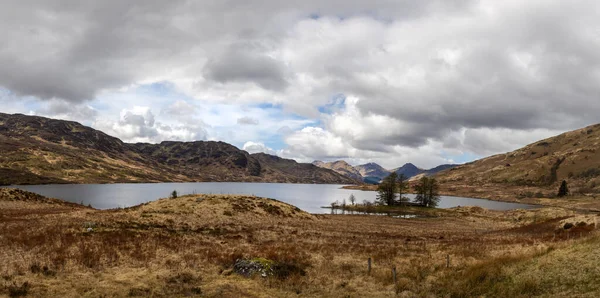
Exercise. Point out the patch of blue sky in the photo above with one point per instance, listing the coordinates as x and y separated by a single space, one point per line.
462 158
18 104
163 88
99 105
336 103
275 142
268 105
156 95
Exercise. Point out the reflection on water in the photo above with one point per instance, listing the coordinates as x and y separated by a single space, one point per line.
342 211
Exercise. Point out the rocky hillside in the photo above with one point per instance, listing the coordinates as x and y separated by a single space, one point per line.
277 169
535 170
438 169
341 167
38 150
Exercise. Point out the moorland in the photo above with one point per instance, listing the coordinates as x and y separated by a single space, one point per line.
244 246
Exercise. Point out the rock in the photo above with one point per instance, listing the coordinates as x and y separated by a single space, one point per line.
267 268
248 268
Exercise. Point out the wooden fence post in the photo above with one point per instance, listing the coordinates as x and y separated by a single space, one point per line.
369 266
448 261
395 280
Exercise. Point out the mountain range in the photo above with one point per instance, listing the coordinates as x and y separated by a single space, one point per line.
373 173
38 150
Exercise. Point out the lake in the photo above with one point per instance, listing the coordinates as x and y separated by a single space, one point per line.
308 197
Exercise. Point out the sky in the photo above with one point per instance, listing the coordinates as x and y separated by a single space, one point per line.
386 81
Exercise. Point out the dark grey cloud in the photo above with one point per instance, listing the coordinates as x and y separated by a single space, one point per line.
64 110
73 49
533 68
240 63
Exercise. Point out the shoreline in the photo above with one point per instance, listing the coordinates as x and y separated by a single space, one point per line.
580 203
157 182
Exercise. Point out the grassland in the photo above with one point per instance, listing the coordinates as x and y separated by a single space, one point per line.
187 246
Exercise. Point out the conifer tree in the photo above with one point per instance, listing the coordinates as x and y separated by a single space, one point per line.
387 190
563 190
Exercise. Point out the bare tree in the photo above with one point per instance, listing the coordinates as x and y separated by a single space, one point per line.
352 199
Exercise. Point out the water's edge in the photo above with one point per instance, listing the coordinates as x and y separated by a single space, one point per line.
308 197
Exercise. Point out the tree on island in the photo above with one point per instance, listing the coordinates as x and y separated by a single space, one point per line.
402 189
427 192
352 199
563 190
386 191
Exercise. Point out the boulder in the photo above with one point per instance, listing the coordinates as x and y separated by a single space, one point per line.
248 268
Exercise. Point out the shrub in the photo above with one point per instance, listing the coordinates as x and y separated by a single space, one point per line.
593 172
18 291
174 194
563 189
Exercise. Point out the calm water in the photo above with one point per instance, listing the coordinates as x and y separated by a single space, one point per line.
308 197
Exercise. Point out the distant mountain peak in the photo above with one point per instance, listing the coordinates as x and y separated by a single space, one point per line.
341 167
409 170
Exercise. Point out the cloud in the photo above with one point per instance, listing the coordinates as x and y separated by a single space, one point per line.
247 121
62 110
486 141
241 63
420 78
180 108
138 125
314 142
73 52
257 147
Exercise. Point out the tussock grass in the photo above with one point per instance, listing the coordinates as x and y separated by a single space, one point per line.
187 247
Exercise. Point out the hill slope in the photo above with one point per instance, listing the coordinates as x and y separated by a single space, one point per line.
341 167
37 150
534 170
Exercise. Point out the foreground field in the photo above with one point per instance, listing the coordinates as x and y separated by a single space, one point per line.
189 246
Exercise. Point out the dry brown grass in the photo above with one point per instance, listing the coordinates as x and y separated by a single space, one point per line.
187 247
